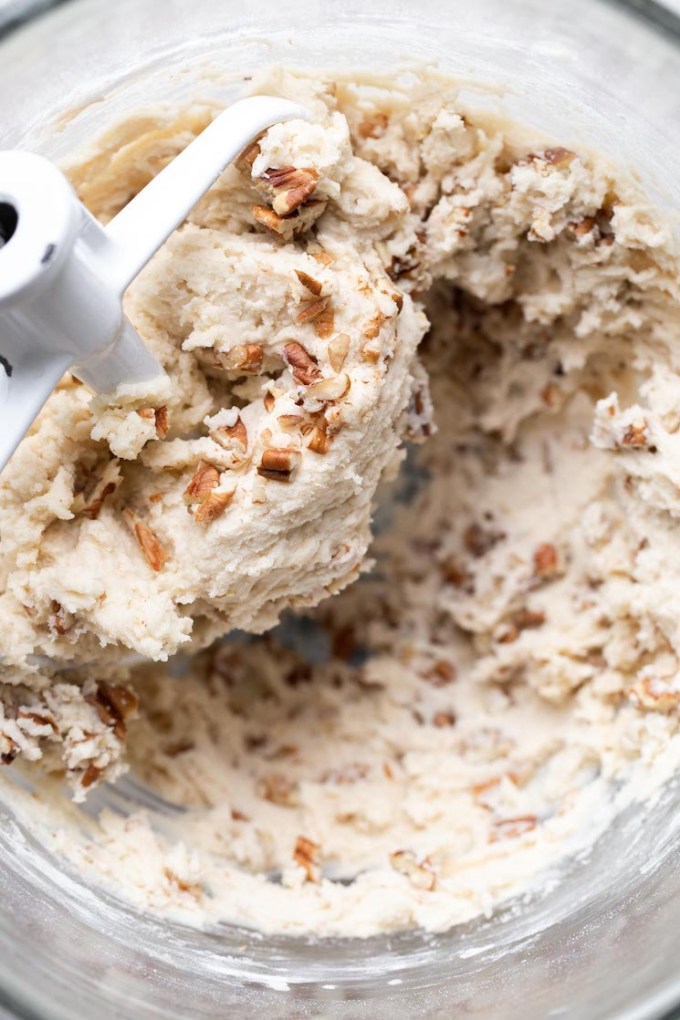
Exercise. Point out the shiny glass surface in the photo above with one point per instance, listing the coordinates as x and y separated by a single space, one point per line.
601 942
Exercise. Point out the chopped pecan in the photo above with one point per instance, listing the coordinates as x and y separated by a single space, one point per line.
403 265
479 540
654 695
279 464
115 705
550 395
318 440
68 381
9 750
242 357
245 159
373 326
373 126
306 854
635 436
455 574
512 828
323 257
290 422
309 283
528 619
59 622
192 888
479 790
39 718
161 416
90 776
558 156
598 228
441 673
312 310
91 503
489 786
580 228
338 349
546 562
121 701
268 219
292 187
285 176
230 435
277 789
205 479
213 506
370 355
324 324
303 366
335 387
442 719
152 548
335 421
269 400
420 874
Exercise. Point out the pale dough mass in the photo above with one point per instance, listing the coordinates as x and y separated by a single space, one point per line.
403 292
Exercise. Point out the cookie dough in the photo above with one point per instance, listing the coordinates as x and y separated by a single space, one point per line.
245 485
503 681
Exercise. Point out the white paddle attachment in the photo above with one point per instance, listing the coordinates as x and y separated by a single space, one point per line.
62 275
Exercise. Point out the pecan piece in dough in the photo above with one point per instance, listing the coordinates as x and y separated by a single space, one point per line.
161 416
231 435
338 349
512 828
292 186
306 854
312 310
420 874
279 464
213 506
244 161
205 479
105 485
304 368
335 387
309 283
268 219
243 357
154 552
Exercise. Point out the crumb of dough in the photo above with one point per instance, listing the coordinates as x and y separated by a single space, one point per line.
504 680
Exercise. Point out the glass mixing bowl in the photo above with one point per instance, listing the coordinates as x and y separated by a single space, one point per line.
601 942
